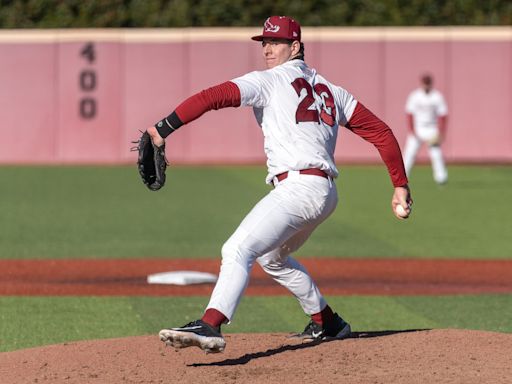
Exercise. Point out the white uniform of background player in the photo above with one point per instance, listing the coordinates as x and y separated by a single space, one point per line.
299 112
427 112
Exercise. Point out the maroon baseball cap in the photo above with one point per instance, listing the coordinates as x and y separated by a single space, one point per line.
280 27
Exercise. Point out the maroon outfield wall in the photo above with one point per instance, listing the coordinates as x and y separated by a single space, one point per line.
79 96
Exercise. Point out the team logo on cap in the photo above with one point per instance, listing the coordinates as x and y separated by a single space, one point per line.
269 27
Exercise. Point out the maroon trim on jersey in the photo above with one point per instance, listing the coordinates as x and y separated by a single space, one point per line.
368 126
220 96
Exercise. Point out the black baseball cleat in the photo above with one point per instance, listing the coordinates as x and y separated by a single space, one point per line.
336 329
197 333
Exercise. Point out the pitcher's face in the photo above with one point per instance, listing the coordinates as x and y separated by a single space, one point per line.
277 52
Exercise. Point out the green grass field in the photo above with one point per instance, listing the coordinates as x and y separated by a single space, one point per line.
32 321
106 212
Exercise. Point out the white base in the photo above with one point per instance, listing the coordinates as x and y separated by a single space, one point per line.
182 278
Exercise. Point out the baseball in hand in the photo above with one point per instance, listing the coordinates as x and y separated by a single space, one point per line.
400 211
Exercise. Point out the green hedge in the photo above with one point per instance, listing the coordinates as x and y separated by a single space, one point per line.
183 13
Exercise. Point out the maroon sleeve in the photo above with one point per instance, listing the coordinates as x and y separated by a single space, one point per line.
368 126
220 96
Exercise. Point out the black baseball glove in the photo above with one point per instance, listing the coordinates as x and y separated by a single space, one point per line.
151 163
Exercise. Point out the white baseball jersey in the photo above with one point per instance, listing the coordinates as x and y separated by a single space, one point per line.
299 112
426 108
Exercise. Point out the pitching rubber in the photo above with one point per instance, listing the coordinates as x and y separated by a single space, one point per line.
180 340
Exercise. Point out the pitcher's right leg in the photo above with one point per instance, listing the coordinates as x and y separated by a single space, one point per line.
292 275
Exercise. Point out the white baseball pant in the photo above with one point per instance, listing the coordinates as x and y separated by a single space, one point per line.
278 225
412 146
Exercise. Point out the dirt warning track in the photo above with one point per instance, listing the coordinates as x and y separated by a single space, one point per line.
334 276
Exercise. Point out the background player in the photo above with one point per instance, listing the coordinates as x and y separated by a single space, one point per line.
426 116
299 112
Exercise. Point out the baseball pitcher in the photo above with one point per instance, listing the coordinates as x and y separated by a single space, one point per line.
299 112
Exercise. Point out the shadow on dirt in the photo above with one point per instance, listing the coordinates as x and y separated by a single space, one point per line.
294 347
369 334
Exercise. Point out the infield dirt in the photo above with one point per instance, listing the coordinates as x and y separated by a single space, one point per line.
429 356
334 277
390 357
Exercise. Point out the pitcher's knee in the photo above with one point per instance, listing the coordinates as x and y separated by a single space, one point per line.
272 262
234 252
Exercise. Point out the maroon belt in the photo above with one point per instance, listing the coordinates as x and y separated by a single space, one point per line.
309 171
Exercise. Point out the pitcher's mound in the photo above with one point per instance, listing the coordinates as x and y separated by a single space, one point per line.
433 356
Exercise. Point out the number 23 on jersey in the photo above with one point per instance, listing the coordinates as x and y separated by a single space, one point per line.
303 113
